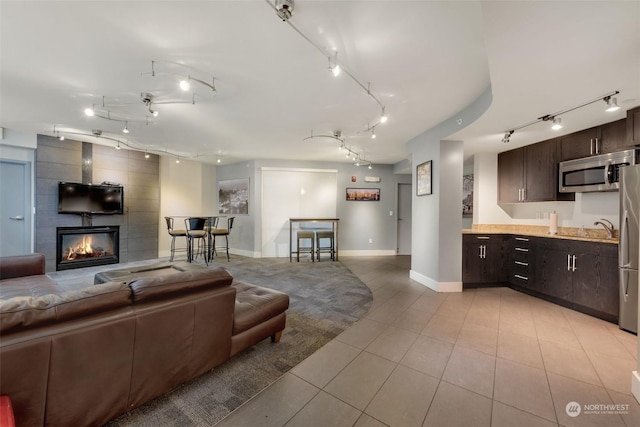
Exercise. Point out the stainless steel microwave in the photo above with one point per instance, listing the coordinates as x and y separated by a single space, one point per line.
595 173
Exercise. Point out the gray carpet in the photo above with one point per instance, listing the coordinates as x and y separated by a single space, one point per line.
325 299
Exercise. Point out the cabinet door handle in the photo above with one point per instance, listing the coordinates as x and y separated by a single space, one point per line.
480 251
568 262
573 267
591 147
519 194
522 239
483 238
522 249
520 277
484 251
524 194
526 264
597 148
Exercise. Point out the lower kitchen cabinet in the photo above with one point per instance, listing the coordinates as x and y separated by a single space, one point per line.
484 259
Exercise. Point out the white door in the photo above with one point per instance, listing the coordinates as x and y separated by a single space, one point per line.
404 219
15 199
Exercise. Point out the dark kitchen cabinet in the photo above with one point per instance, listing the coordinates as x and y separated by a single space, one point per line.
483 259
578 144
607 138
530 174
596 287
521 262
633 127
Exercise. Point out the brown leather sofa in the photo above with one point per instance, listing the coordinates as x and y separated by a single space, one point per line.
84 357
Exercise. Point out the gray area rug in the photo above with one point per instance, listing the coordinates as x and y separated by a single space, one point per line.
325 299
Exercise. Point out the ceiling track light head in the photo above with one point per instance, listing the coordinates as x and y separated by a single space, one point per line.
612 104
284 9
557 123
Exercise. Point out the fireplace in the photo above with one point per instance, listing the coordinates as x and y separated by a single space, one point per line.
87 246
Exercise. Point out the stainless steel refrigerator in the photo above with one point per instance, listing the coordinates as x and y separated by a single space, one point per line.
628 247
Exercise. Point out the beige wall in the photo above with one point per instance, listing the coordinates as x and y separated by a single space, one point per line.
186 189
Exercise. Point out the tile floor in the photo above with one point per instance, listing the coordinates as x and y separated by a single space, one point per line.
487 357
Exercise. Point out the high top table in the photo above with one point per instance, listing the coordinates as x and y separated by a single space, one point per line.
334 227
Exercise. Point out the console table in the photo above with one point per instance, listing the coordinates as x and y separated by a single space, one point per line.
334 227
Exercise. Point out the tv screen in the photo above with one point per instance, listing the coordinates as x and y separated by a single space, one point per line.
77 198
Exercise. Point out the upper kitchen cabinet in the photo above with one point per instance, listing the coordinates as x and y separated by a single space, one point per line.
633 127
530 174
608 138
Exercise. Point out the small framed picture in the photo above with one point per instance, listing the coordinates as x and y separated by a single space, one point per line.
423 179
363 194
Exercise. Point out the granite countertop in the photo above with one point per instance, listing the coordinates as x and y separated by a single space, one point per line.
590 234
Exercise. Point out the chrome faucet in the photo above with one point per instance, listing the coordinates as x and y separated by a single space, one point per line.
608 226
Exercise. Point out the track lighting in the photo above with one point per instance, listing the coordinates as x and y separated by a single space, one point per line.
373 134
89 112
507 137
146 155
61 137
334 67
126 127
219 160
185 85
154 113
612 104
557 123
369 167
118 146
383 117
177 159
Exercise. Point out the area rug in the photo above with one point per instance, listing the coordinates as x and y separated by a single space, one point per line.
325 299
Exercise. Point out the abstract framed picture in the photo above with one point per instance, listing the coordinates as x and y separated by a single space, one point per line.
423 179
467 195
363 194
233 196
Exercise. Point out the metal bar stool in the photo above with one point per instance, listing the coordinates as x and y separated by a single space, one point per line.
219 232
321 236
304 235
174 233
195 231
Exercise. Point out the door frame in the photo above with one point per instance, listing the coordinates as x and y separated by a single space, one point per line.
28 203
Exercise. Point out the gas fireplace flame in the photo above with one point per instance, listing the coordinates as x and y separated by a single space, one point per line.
83 248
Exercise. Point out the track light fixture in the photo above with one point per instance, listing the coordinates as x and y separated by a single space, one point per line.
90 112
126 127
612 104
118 146
334 67
185 85
507 136
383 116
146 154
557 122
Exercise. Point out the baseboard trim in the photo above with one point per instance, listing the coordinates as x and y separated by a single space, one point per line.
432 284
635 385
380 252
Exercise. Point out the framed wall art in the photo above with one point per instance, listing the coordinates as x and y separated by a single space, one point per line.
363 194
233 196
423 179
467 195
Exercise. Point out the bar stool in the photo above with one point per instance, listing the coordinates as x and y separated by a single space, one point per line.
303 235
174 233
330 248
195 231
219 232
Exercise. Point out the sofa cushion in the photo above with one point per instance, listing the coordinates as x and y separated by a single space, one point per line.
21 265
26 311
177 283
28 286
255 304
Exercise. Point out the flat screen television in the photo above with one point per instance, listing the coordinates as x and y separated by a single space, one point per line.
75 198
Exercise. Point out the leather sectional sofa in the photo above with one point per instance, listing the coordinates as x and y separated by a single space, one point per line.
84 357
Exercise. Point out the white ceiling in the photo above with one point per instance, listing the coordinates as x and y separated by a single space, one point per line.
425 61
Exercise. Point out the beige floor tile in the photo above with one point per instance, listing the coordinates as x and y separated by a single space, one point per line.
392 344
631 414
479 338
483 317
274 406
522 326
520 348
362 333
322 366
568 361
404 299
454 406
523 387
361 380
603 342
414 320
472 370
558 332
368 421
325 410
566 390
614 373
428 355
443 328
429 302
508 416
386 313
404 398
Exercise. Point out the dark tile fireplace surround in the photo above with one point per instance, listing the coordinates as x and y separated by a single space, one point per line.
132 236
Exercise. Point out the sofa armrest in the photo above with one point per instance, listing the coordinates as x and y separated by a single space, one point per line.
21 265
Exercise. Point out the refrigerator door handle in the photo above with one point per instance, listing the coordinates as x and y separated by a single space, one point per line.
625 241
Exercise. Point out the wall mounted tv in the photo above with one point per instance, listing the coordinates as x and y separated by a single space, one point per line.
74 198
